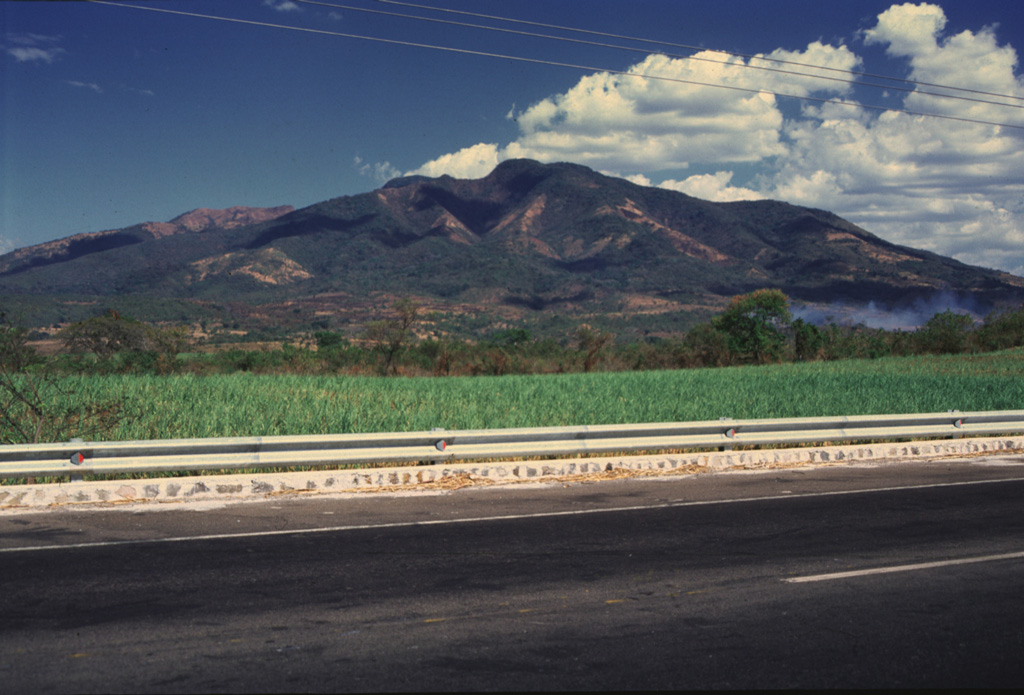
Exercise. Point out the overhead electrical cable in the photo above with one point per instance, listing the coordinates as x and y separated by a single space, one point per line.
690 47
589 68
601 44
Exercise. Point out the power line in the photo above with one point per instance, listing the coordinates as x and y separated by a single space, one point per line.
690 47
705 59
589 68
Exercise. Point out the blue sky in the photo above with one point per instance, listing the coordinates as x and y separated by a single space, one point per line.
115 115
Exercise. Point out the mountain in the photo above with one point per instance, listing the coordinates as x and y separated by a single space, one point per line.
529 243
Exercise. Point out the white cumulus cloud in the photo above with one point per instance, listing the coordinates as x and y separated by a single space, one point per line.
908 29
662 113
947 186
468 163
666 113
716 187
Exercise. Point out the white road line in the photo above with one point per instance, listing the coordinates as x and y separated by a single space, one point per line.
508 517
903 568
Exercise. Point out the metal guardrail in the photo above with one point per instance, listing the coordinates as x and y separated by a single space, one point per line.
81 458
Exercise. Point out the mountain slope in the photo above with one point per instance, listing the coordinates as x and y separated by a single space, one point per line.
80 245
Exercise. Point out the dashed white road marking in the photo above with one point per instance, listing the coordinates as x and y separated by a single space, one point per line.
903 568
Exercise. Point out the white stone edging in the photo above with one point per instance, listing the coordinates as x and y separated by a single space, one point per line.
238 487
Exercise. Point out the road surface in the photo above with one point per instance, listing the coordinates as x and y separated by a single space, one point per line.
891 576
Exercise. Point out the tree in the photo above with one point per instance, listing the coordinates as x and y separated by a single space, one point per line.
106 335
504 352
21 415
706 346
110 334
592 343
391 336
170 341
326 340
807 341
440 354
754 324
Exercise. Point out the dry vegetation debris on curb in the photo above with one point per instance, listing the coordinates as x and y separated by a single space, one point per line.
978 454
463 480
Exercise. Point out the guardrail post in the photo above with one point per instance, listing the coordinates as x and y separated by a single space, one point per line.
76 459
729 433
958 423
442 437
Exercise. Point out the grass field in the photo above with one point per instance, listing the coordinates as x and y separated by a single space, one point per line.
185 406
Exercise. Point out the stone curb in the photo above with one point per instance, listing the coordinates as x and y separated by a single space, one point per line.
235 487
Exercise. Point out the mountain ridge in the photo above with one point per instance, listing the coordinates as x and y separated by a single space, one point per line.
193 221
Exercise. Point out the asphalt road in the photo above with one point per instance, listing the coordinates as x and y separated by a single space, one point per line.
719 581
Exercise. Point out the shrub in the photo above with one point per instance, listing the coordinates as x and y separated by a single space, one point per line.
946 333
1003 329
36 407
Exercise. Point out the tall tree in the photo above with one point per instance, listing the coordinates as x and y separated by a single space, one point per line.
755 325
391 336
